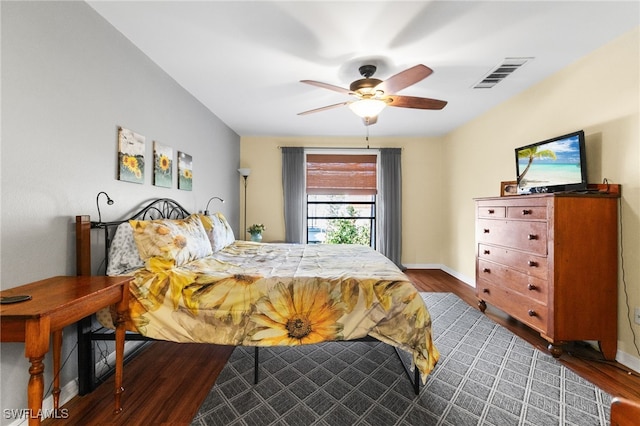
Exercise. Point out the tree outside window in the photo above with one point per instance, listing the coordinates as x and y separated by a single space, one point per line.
347 230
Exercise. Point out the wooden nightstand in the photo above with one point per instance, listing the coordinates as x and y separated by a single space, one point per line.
56 303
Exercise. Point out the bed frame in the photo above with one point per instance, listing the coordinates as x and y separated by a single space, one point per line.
162 208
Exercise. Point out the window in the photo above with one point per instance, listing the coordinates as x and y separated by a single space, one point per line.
341 198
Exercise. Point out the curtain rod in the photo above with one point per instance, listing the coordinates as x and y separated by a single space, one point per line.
339 147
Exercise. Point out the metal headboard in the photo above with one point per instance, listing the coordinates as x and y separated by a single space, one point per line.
161 208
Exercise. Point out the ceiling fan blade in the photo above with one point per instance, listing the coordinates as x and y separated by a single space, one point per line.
405 78
368 121
311 111
414 102
327 86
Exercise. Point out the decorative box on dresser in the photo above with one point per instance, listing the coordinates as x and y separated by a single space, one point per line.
551 262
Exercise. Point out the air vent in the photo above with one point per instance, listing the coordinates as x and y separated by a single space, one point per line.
501 72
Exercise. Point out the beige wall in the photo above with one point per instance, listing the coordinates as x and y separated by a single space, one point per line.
600 94
422 188
442 176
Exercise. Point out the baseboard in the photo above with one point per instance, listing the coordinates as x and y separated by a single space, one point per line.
468 281
422 265
628 360
71 389
104 365
67 393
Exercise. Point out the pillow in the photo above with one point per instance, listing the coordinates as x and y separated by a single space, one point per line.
207 224
180 240
123 252
220 234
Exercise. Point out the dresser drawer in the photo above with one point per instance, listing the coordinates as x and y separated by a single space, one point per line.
527 263
545 260
513 280
524 309
492 211
518 234
527 212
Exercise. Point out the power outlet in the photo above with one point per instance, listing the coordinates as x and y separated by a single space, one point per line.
636 315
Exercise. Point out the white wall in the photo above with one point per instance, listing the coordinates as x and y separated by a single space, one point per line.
69 80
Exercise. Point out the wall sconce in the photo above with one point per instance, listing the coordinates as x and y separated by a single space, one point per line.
206 210
109 202
245 174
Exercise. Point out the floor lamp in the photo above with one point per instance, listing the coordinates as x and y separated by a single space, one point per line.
245 174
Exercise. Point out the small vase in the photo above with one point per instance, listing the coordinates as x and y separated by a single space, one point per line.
256 237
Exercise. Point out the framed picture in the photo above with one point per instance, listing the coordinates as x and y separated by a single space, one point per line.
508 188
130 156
185 171
162 165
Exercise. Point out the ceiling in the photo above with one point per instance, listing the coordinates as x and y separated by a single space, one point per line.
244 59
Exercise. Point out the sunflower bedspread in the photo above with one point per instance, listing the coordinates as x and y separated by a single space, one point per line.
257 294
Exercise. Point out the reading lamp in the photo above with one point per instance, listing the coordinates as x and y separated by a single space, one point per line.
206 210
245 174
109 202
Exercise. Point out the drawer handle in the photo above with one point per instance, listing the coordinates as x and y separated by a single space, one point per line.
532 263
532 237
491 211
526 212
532 287
487 251
485 290
532 313
485 230
486 270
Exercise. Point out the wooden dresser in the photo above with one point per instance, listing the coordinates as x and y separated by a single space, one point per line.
551 262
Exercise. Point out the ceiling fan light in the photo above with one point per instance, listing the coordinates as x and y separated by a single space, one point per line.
367 107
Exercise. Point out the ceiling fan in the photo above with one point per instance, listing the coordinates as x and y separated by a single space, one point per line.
373 95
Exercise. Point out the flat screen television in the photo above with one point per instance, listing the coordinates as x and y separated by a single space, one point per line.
552 165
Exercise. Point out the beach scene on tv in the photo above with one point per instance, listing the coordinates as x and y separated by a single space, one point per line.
549 164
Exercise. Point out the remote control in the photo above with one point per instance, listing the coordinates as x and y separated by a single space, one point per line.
14 299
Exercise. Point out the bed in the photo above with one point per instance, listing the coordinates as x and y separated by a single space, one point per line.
193 282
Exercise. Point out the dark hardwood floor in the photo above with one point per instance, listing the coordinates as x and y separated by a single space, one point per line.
167 382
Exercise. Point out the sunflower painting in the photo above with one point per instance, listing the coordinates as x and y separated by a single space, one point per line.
185 171
130 156
162 165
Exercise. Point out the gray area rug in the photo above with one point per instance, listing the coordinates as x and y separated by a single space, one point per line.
486 376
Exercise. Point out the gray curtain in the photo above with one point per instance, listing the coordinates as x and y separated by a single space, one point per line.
294 193
390 205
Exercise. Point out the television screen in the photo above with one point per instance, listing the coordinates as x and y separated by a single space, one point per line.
552 165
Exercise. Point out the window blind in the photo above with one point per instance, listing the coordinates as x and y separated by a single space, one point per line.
329 174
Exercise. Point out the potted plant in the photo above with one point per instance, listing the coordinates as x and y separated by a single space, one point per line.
256 231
